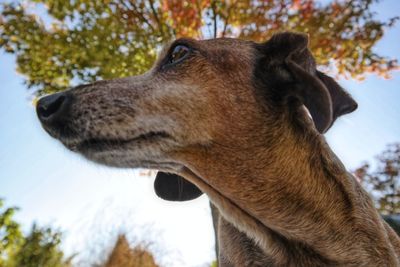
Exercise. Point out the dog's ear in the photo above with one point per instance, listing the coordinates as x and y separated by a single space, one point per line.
342 102
172 187
290 70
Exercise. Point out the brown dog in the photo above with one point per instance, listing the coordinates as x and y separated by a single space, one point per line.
229 116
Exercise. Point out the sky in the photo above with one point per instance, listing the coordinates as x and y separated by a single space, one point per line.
91 203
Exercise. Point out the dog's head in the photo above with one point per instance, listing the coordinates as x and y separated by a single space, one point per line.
197 95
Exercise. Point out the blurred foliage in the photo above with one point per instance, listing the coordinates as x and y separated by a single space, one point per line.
122 255
383 182
83 41
40 248
10 232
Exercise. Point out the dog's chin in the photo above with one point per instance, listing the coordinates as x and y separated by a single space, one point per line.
105 144
142 151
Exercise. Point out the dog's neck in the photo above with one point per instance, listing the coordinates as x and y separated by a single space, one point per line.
299 191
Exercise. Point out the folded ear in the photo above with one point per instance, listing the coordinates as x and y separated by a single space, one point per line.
291 70
314 95
342 102
172 187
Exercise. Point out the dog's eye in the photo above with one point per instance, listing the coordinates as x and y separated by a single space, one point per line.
178 54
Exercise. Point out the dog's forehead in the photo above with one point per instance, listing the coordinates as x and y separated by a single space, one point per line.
228 43
232 45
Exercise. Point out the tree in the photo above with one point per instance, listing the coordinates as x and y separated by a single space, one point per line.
83 41
10 233
40 248
383 182
122 255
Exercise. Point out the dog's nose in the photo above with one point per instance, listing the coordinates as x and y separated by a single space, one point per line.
53 107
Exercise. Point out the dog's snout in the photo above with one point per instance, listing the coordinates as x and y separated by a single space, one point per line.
53 107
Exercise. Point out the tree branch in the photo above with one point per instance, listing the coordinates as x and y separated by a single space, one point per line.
133 9
154 11
229 11
213 8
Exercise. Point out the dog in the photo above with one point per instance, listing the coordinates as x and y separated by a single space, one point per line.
243 123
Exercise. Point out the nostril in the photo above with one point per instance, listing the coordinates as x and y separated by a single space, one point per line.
46 111
52 106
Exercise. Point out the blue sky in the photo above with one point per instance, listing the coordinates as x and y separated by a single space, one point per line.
89 202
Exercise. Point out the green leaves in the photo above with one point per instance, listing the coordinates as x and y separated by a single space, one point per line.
97 47
10 233
39 248
83 41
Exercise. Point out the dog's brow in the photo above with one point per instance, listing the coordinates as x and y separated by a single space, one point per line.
185 41
167 48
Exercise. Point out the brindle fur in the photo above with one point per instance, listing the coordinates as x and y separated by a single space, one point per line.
230 119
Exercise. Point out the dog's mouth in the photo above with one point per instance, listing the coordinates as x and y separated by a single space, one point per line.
104 144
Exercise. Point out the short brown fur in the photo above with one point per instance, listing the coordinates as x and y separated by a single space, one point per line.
283 196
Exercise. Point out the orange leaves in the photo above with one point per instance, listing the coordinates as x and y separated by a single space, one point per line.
115 38
185 16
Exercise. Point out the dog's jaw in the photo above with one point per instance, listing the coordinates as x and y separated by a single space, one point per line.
145 151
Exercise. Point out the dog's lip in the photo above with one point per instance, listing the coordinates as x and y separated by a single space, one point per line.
106 144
